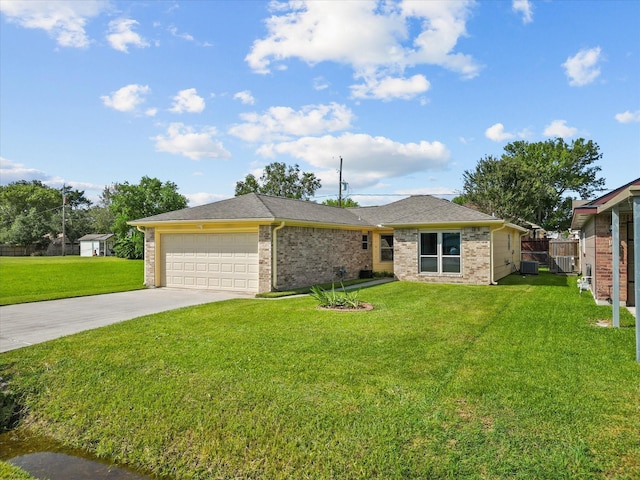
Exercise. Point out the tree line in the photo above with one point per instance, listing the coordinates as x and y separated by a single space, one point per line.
533 182
31 213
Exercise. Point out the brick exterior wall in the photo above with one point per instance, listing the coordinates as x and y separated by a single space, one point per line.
264 258
603 270
476 255
475 250
308 256
150 257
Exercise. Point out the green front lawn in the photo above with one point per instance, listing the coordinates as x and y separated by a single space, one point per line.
31 279
438 381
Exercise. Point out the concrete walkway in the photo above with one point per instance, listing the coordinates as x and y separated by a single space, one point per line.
30 323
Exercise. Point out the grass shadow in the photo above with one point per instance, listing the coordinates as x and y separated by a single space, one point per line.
544 278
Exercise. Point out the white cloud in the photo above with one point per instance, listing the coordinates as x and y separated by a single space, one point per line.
525 8
202 198
375 38
497 134
121 35
582 69
184 140
127 98
280 123
320 83
628 117
368 160
245 97
184 36
187 101
389 88
559 129
12 172
63 20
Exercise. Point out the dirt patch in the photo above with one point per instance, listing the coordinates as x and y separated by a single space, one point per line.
364 307
603 322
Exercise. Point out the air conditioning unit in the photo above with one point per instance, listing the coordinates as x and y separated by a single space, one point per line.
563 264
528 267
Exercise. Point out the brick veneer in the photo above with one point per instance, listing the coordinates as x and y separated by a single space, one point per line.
475 247
308 256
603 274
264 258
150 257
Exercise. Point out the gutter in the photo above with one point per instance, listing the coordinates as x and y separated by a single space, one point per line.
274 255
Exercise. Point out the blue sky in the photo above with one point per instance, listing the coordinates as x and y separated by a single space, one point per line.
409 94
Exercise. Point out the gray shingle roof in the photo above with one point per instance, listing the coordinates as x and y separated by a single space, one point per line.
414 210
420 210
95 236
259 207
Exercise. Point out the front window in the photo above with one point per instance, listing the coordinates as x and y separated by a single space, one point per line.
440 252
386 248
365 241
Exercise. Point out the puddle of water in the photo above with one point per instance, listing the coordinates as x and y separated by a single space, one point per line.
60 466
44 458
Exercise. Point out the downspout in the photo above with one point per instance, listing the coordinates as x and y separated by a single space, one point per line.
491 269
274 255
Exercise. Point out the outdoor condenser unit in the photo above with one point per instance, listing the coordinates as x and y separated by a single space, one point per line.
564 264
528 267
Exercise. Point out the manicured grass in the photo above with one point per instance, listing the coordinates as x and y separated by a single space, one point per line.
31 279
9 472
438 381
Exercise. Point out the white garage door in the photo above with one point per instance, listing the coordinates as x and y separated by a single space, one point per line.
217 261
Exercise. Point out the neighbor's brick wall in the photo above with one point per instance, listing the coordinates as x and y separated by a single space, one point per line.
308 256
150 257
603 274
475 257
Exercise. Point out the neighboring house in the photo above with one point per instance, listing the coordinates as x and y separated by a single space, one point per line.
96 244
604 224
258 243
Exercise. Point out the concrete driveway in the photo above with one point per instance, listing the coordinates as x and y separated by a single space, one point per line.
29 323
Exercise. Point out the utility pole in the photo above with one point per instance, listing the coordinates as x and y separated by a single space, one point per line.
64 202
340 186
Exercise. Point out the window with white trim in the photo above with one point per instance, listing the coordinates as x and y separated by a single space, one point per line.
440 252
386 248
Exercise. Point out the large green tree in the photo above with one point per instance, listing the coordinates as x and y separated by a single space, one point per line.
346 202
129 202
29 210
280 180
535 181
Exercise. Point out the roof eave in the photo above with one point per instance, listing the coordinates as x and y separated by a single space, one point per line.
582 214
250 221
160 223
461 223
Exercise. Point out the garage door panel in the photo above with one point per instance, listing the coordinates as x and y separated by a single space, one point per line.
210 261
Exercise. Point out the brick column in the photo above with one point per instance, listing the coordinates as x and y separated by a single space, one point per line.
150 257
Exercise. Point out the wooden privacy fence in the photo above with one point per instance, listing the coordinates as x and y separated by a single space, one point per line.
536 250
563 256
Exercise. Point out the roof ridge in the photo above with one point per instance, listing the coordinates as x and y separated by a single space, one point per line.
259 197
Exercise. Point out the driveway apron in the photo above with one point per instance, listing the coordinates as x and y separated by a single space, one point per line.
30 323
